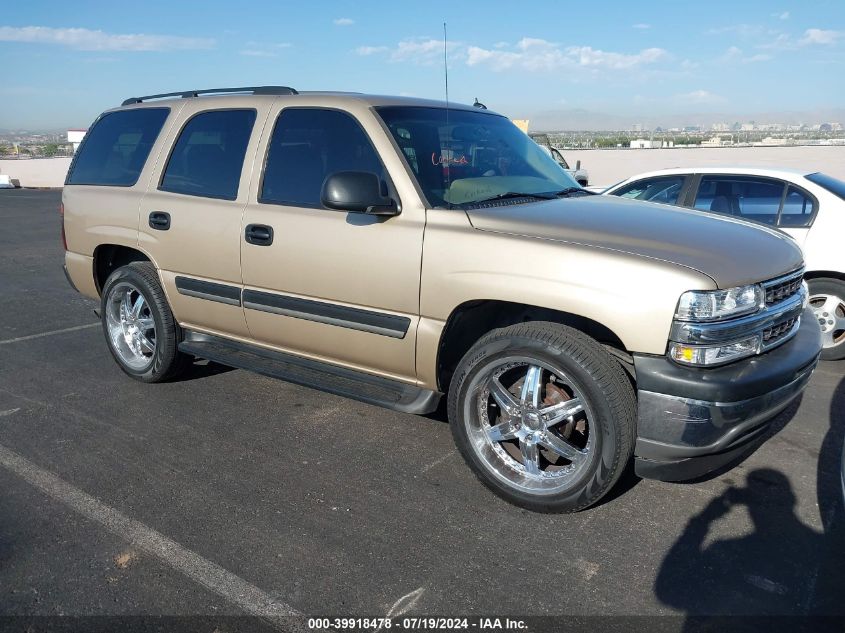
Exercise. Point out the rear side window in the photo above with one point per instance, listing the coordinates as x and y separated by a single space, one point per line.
749 198
665 189
797 209
208 157
116 148
309 144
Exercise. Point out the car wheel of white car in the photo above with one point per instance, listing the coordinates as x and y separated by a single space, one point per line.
827 298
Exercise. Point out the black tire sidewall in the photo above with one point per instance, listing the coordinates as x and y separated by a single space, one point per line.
605 466
834 287
166 334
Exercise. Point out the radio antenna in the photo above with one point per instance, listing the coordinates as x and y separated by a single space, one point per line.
446 68
448 152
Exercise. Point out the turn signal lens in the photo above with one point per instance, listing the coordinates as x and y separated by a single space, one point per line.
709 355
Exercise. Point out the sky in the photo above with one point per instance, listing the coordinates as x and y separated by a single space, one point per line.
65 62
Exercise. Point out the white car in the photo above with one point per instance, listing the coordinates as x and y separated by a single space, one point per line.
810 207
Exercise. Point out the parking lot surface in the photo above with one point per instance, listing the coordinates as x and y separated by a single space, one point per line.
228 492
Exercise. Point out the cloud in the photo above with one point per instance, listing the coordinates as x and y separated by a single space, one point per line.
343 21
641 26
821 36
534 54
421 51
263 49
91 40
371 50
698 97
781 16
735 55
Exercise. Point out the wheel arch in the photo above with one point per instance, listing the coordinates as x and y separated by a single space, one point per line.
471 320
109 257
824 274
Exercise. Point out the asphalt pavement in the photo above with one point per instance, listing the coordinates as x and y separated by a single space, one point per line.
227 492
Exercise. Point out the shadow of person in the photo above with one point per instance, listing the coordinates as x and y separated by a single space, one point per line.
769 572
830 584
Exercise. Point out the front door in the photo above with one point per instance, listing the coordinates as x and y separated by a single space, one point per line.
331 285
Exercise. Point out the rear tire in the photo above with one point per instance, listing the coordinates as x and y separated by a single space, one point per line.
543 415
140 330
827 298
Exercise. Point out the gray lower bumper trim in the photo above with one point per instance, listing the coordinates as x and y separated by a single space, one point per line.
670 427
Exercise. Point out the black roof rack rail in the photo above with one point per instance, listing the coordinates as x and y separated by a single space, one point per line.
187 94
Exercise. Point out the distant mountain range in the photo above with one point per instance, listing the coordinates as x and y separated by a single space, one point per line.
581 119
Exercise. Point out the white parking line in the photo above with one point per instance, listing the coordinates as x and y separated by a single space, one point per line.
208 574
52 333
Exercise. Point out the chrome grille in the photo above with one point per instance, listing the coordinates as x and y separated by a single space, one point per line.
783 288
778 331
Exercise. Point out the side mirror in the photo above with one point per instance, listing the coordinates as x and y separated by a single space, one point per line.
357 192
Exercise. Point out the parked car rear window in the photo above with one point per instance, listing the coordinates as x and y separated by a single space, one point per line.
116 148
664 189
833 185
749 198
309 144
209 155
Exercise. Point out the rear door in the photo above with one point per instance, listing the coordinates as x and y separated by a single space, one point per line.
190 218
769 201
342 287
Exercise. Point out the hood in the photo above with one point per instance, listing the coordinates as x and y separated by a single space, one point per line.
732 252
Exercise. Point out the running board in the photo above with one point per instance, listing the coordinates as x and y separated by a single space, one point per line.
340 381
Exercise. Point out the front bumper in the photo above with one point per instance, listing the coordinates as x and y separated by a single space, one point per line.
693 421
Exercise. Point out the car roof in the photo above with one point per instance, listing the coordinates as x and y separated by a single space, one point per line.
339 99
774 172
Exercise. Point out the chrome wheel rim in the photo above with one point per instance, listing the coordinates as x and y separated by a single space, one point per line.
829 310
130 325
530 425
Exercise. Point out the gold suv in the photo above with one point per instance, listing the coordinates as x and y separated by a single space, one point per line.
397 250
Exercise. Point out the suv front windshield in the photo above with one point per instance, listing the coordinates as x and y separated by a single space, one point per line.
461 157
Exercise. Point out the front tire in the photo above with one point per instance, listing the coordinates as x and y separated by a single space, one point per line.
827 298
140 330
543 415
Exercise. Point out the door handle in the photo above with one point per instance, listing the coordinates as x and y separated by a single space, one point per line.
159 220
259 234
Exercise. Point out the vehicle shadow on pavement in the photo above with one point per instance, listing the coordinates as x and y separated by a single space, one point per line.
202 369
783 567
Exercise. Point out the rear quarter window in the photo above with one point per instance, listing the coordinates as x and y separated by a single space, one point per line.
117 147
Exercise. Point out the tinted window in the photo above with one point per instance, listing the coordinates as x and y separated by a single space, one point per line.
465 157
750 198
664 189
209 154
116 148
308 145
833 185
797 208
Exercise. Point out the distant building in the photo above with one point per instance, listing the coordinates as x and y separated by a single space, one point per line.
75 138
637 127
522 124
643 143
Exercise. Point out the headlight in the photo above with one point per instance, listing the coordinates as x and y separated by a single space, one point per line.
715 305
708 355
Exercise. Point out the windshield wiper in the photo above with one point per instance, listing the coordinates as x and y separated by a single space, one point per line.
516 194
571 191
